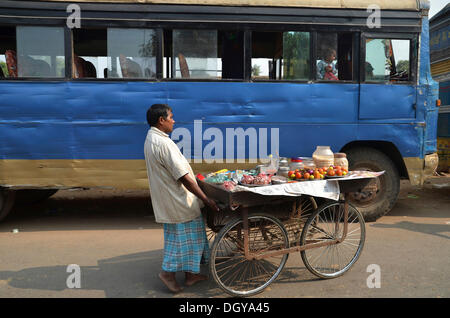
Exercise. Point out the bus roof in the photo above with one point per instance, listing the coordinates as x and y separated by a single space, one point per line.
414 5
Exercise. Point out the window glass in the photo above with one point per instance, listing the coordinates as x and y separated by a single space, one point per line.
334 56
327 58
23 53
90 53
195 54
114 53
280 55
387 60
38 58
131 53
295 59
8 66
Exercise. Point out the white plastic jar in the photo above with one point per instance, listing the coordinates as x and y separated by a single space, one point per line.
323 157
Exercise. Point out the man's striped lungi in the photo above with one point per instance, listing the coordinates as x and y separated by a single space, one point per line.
184 246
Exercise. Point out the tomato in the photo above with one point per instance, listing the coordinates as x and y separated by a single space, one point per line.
331 173
339 172
298 175
290 173
306 175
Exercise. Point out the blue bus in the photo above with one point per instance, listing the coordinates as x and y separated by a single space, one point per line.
244 82
440 70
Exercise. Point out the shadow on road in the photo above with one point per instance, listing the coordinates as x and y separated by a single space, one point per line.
84 210
133 275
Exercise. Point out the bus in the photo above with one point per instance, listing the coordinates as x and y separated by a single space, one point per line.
245 80
440 70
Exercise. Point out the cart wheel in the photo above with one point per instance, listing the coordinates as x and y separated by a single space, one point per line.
237 275
215 221
327 223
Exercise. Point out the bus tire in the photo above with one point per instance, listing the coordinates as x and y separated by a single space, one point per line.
7 199
380 196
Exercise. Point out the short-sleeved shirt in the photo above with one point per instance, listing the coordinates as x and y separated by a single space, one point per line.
171 201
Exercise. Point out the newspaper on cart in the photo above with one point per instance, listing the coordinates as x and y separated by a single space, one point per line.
328 188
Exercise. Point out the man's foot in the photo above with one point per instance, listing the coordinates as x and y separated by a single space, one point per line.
169 280
191 278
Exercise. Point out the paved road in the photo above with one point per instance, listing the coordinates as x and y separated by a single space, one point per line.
113 238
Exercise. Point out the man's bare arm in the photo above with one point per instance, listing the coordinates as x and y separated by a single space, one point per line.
193 187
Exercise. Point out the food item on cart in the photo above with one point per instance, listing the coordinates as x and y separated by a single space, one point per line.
218 178
283 171
247 179
260 179
229 185
308 163
279 180
200 177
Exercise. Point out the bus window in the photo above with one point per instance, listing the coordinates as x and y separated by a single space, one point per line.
132 52
24 54
195 54
334 57
7 45
280 55
90 57
387 60
207 54
114 53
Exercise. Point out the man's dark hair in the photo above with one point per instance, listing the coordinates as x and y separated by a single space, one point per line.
155 111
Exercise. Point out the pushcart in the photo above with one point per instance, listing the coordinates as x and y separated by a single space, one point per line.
253 235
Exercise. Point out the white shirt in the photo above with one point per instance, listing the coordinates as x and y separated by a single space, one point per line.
171 201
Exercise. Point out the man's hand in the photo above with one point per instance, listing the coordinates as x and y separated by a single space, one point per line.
211 204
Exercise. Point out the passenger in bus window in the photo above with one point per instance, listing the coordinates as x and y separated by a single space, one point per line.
369 71
326 68
176 200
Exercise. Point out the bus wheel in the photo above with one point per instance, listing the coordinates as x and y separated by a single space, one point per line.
7 198
379 196
31 196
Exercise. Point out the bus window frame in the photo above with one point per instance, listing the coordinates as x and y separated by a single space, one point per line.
159 57
355 58
413 55
67 62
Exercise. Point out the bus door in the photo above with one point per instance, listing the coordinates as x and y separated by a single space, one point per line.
387 90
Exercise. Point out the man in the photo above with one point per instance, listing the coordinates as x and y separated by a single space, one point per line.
176 200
